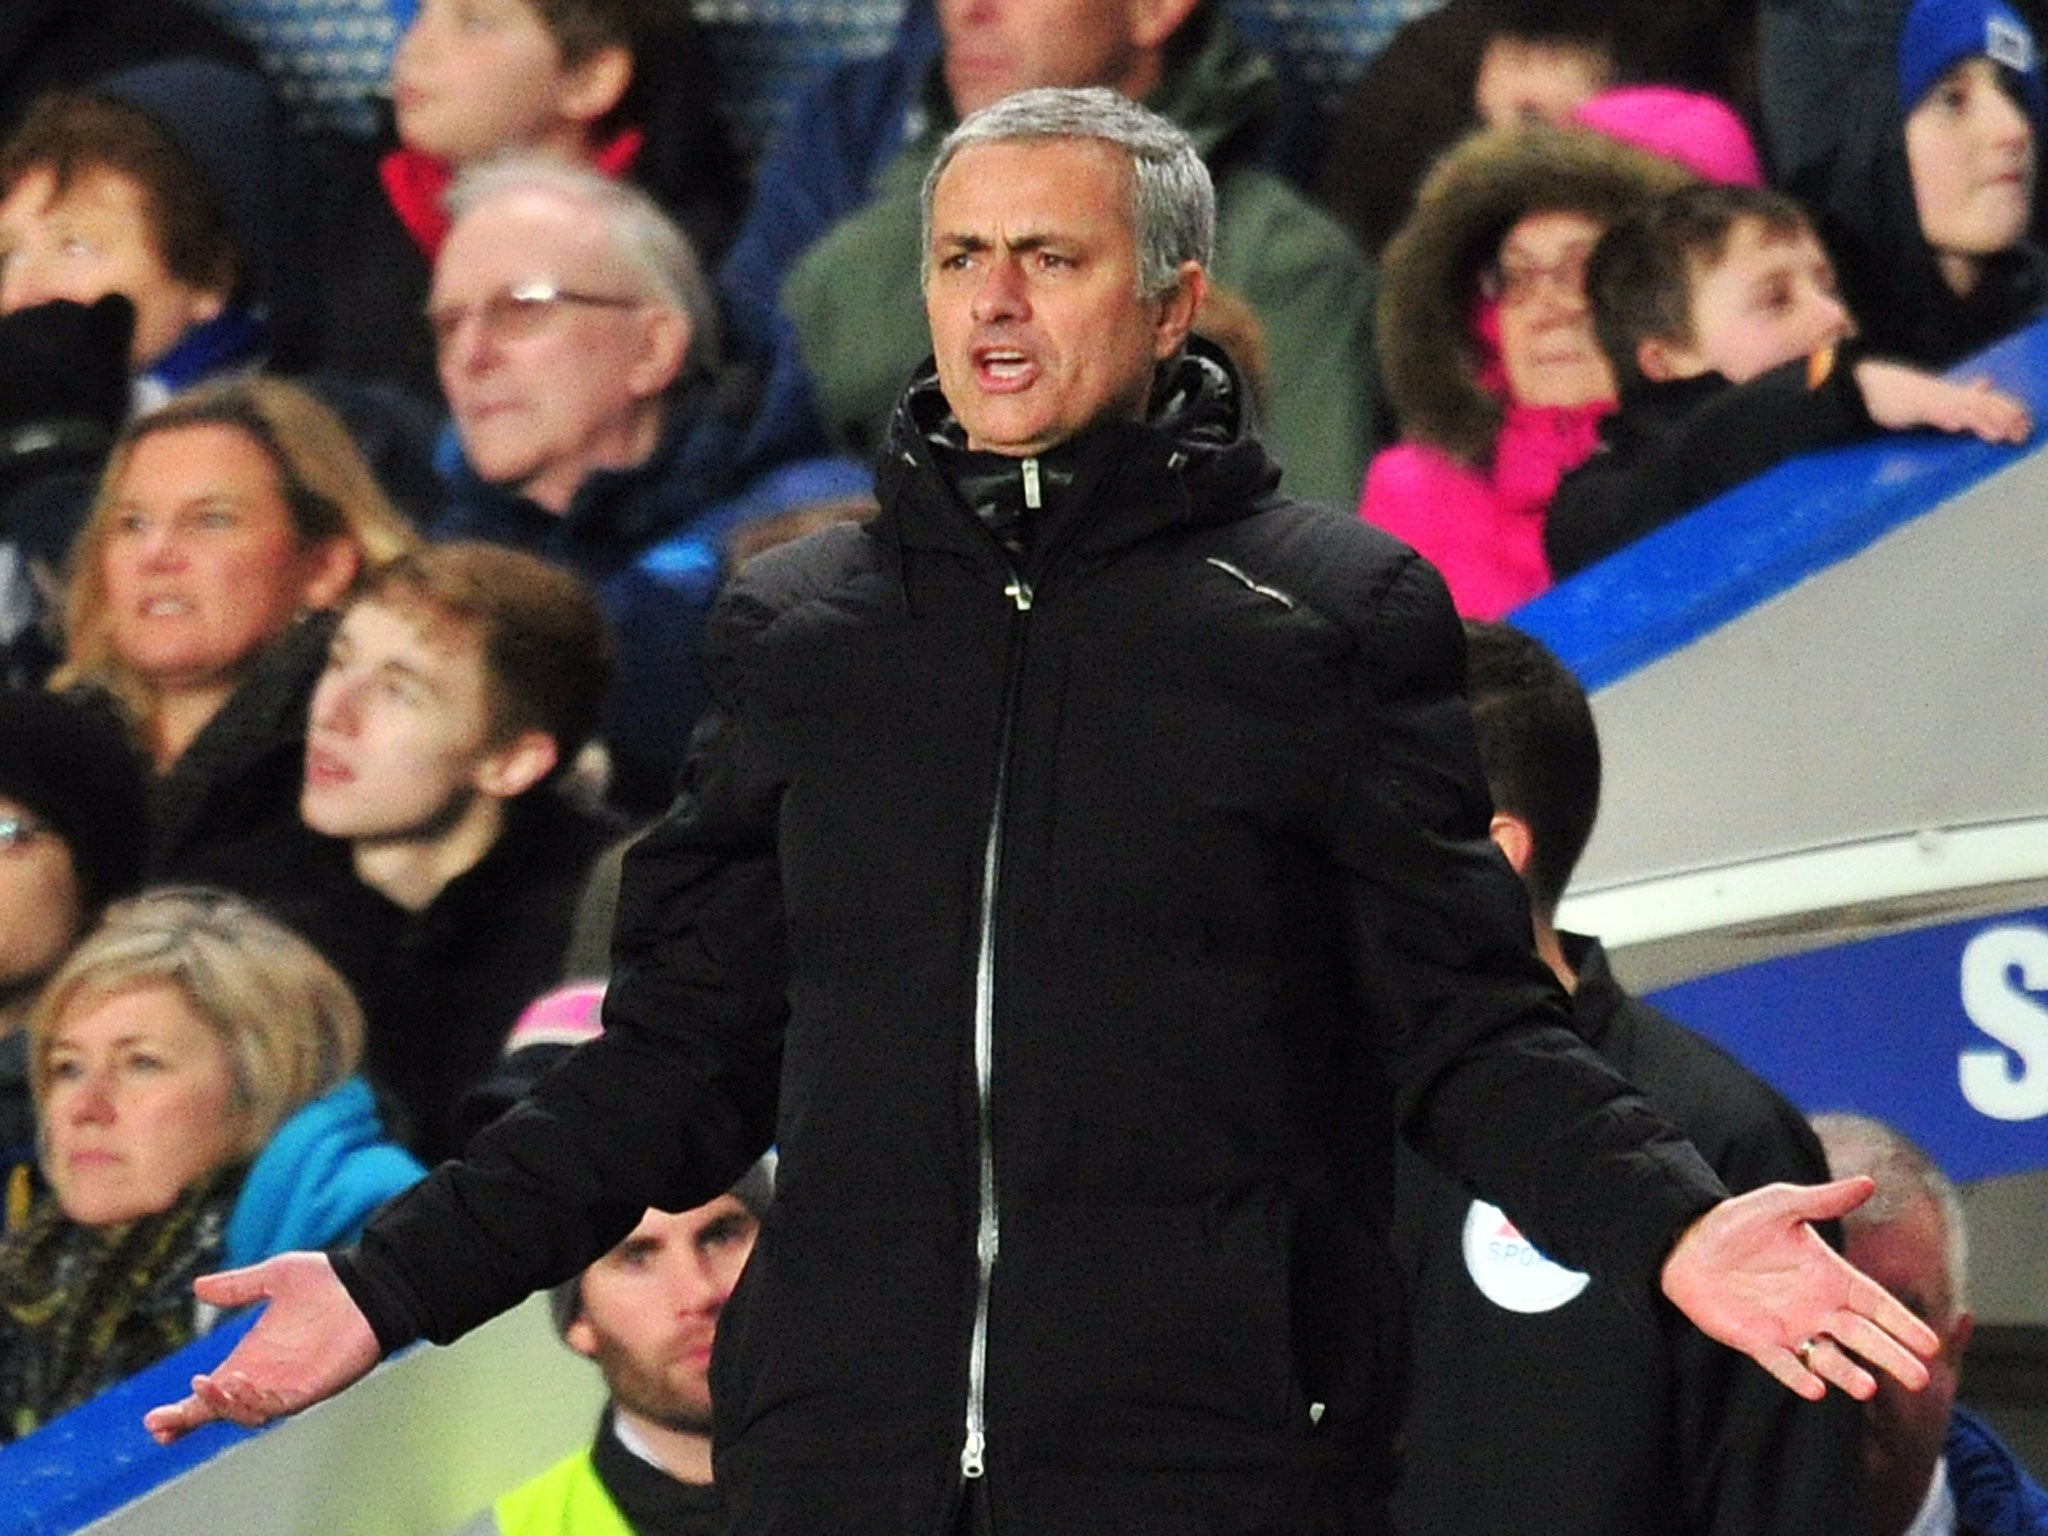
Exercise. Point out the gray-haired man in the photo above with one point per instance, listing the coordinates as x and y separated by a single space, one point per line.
1936 1469
1086 874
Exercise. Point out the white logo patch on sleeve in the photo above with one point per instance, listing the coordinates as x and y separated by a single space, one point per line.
1510 1271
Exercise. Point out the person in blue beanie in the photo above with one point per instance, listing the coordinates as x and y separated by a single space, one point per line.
1908 128
177 184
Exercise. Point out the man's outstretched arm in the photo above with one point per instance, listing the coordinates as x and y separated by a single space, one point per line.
1751 1272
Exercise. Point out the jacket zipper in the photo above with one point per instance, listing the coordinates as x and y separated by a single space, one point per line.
987 1228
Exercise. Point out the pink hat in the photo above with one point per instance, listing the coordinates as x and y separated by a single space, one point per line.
566 1016
1702 133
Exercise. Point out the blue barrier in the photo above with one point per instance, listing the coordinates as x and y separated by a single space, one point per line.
1691 576
89 1462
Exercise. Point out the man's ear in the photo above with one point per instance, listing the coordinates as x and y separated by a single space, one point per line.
1177 311
1511 835
664 347
1154 21
1958 1337
595 86
581 1337
511 770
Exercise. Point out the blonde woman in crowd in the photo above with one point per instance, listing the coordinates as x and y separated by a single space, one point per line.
193 1070
225 527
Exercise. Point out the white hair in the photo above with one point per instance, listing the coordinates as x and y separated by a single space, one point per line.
635 228
1906 1176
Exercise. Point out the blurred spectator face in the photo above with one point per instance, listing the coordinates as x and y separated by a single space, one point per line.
552 353
400 734
1536 80
202 565
1768 301
1908 1256
996 48
41 907
651 1305
1971 151
472 78
1038 340
138 1102
1546 326
94 238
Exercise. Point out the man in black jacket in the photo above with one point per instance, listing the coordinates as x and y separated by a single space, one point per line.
1084 876
1520 1363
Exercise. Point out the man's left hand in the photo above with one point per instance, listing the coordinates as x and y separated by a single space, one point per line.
1754 1274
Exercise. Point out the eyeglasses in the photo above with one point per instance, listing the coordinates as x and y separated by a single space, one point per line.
1516 281
519 309
16 830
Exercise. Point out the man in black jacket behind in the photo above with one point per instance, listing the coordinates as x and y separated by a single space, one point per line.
1520 1363
1082 878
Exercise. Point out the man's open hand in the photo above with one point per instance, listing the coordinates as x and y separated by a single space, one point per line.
1753 1274
309 1343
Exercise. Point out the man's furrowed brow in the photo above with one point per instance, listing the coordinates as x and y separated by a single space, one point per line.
961 242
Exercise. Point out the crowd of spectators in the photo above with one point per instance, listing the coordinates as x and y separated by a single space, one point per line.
362 500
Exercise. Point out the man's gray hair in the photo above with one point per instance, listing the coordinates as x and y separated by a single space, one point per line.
1173 200
635 228
1905 1176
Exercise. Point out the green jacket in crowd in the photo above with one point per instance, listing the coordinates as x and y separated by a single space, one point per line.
855 301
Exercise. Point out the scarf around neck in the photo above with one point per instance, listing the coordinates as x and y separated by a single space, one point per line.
82 1307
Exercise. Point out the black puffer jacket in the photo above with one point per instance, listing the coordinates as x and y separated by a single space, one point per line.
1171 834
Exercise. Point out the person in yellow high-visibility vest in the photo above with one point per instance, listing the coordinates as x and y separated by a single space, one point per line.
646 1313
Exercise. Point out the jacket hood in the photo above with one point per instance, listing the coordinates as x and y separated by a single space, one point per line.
319 1177
1436 367
228 124
1193 460
615 513
1219 89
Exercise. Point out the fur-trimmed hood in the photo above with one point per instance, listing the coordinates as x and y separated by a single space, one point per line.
1435 366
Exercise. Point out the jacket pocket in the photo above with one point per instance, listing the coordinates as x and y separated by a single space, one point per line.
844 1339
1149 1337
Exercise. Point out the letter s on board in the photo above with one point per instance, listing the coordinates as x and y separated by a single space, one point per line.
2000 1005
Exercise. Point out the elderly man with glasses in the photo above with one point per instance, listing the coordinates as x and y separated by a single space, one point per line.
595 426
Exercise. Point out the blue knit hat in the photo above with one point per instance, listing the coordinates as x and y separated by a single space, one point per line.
228 124
1940 34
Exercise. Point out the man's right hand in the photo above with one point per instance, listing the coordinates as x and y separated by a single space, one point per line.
309 1343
